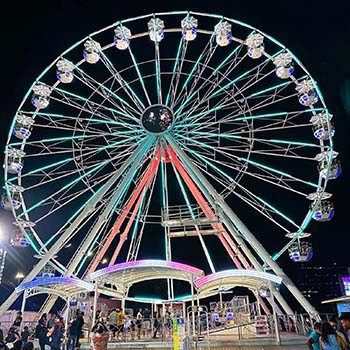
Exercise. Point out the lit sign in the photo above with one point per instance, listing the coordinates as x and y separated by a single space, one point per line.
346 284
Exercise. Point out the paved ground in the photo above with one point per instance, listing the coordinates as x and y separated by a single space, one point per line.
289 342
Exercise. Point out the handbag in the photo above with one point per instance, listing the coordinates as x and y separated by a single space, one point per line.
9 345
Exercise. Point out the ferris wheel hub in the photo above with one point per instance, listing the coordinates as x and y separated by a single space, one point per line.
157 119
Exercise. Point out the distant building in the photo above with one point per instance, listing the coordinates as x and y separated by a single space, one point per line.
318 283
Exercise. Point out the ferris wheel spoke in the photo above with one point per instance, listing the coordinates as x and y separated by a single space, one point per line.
63 117
103 91
271 99
239 167
181 50
72 99
158 72
233 136
136 66
257 164
201 69
123 83
231 181
213 91
71 183
207 50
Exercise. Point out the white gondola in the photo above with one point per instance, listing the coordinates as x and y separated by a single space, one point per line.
284 65
18 239
300 251
307 93
223 33
65 71
92 51
255 44
189 28
14 161
323 210
41 96
322 126
23 126
122 37
156 29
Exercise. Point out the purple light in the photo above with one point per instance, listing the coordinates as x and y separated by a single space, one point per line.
44 281
242 273
144 264
346 284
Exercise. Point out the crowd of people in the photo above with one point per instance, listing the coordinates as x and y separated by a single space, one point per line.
50 333
331 335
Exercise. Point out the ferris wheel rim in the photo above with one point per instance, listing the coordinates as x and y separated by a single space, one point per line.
160 14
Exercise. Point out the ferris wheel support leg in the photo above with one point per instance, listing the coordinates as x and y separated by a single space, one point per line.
202 182
228 240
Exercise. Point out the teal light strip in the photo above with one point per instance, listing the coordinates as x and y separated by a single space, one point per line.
174 69
95 168
238 137
88 101
101 121
123 82
232 180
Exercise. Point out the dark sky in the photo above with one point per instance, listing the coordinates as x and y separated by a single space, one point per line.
34 33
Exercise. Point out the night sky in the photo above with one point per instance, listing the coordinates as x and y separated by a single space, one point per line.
34 33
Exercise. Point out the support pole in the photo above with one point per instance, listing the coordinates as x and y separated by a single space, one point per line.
275 318
66 321
193 313
23 308
94 307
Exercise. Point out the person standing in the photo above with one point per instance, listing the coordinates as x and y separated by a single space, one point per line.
80 324
51 321
72 334
41 332
313 342
146 322
120 322
345 325
99 336
139 323
55 337
2 344
113 318
18 320
156 325
25 335
329 339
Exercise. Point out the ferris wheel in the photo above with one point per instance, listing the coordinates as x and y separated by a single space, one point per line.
180 122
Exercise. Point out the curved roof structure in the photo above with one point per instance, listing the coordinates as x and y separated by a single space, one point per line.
234 278
128 273
61 286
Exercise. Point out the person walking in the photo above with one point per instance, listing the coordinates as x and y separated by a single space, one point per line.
313 342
